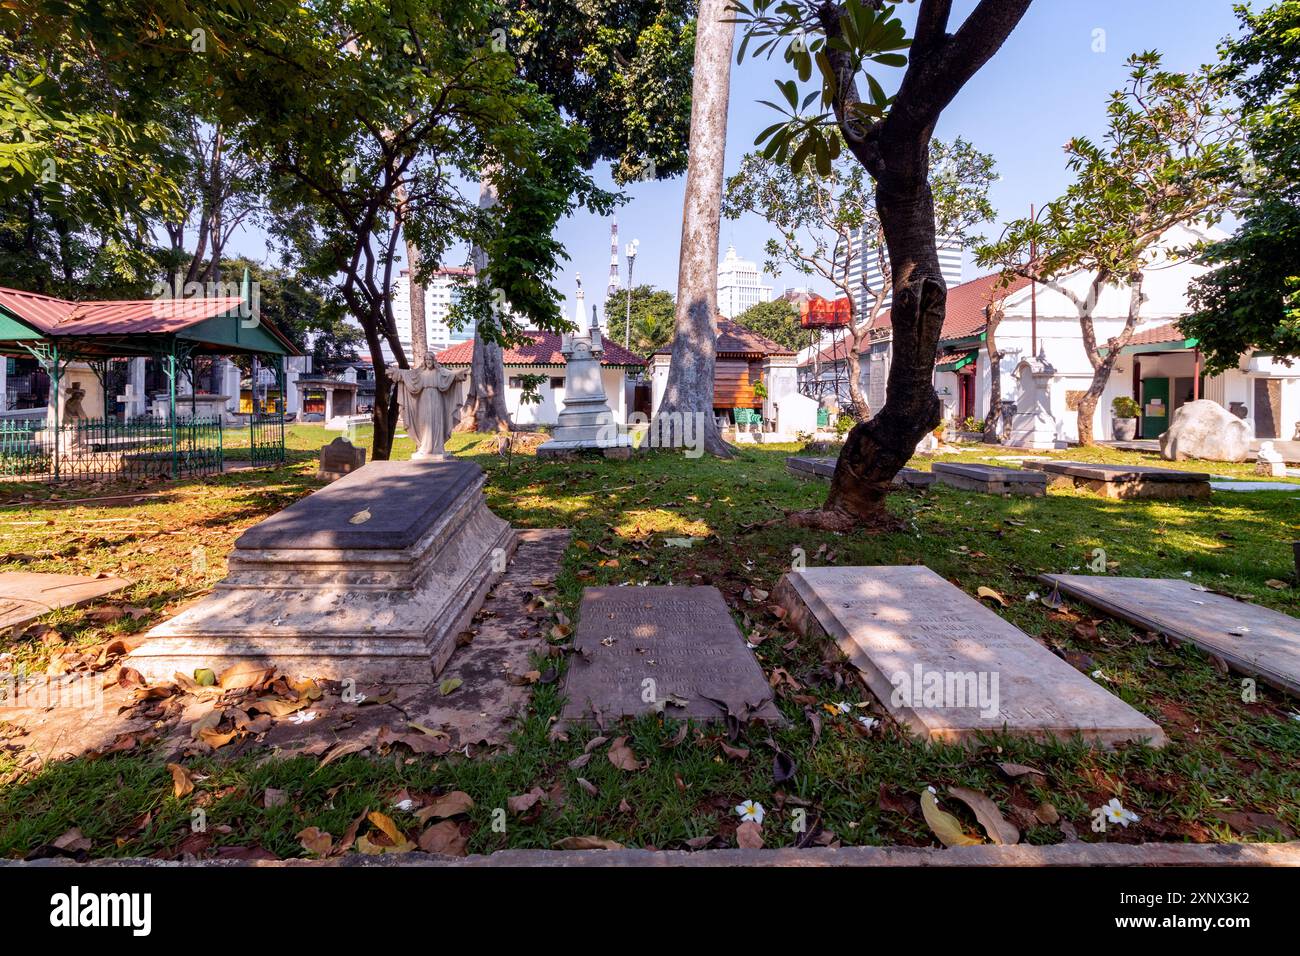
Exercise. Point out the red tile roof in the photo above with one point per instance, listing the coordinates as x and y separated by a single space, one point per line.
123 317
543 349
964 314
733 338
1168 332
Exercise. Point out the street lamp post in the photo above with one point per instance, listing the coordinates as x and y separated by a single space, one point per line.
630 249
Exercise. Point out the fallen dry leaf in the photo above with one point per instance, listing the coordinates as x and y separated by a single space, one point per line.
448 805
944 825
621 755
587 843
444 838
749 836
315 840
998 827
182 782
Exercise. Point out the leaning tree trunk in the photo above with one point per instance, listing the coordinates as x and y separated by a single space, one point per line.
993 421
485 404
877 449
853 361
689 390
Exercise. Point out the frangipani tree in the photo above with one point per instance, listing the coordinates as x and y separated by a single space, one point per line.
1167 159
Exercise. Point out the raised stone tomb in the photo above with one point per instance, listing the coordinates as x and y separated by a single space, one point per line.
990 479
948 667
677 646
1252 640
823 469
1125 481
369 578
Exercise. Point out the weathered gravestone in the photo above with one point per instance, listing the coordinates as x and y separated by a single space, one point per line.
1254 640
824 469
674 649
990 479
1125 481
370 578
340 457
946 666
25 596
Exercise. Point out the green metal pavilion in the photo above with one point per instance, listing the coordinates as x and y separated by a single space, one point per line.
173 332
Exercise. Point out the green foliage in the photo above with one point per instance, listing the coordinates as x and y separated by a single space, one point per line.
778 320
1124 407
621 69
1167 159
867 35
1251 297
653 317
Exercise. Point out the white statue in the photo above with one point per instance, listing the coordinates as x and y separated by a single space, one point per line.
428 404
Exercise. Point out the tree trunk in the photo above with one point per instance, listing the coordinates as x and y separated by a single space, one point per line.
689 390
877 449
1103 366
993 420
853 363
415 289
485 403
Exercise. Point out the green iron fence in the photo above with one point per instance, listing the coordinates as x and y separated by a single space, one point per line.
266 438
110 449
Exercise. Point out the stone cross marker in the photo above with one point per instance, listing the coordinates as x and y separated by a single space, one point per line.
946 666
636 646
340 457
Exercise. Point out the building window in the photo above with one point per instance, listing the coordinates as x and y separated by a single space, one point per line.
557 383
516 382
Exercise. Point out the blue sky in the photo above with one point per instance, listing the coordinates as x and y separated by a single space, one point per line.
1044 86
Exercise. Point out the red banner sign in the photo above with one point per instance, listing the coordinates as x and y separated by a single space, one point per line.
824 313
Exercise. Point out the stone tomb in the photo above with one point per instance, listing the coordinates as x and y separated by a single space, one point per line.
1125 481
824 469
25 596
340 457
371 578
990 479
1253 640
948 667
662 643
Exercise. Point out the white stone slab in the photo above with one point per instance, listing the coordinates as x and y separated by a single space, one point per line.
906 628
1254 640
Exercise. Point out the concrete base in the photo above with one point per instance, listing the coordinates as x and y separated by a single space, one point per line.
314 594
620 447
1125 481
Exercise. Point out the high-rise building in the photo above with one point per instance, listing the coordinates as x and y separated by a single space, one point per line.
867 257
440 293
740 285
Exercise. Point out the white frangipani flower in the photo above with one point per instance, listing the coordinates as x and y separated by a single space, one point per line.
751 812
1116 813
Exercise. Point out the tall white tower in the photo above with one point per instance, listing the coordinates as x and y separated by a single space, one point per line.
613 258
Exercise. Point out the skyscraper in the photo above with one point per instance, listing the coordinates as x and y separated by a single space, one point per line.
866 258
740 285
439 295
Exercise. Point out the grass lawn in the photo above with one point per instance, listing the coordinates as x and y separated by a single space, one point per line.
1231 770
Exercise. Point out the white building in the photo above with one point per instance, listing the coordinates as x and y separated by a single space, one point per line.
740 285
439 295
867 259
1160 368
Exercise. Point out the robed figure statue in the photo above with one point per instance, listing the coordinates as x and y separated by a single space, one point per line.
428 401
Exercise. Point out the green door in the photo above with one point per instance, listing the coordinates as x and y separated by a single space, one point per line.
1155 407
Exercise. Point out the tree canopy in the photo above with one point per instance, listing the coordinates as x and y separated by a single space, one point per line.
1251 297
652 317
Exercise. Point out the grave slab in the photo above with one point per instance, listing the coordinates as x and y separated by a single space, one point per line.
25 596
990 479
824 469
370 578
1125 481
946 666
681 638
1253 640
1255 486
340 457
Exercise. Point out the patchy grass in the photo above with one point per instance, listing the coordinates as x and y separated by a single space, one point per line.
1225 757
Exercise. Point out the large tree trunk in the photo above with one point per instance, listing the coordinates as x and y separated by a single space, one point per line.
993 420
485 404
877 449
689 390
